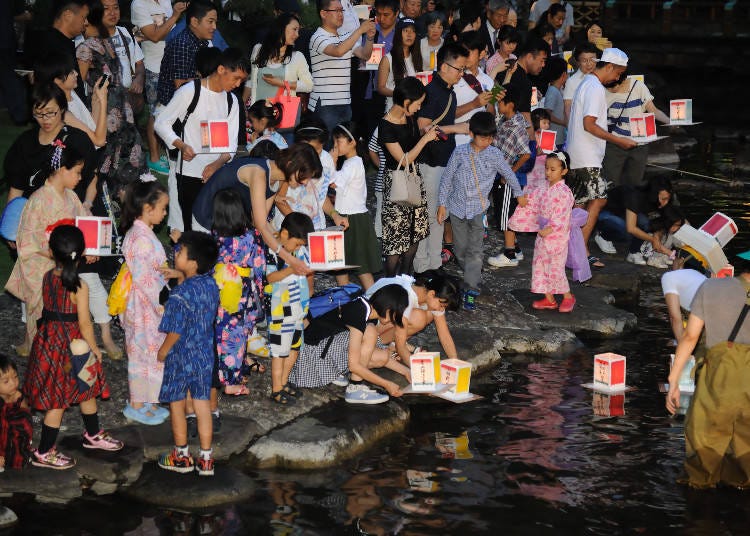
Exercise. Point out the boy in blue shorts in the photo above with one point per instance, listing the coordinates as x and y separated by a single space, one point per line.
188 349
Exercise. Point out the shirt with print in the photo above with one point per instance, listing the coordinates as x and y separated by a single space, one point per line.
512 138
128 51
619 110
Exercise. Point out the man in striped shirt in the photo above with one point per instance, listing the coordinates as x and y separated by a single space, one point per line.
330 58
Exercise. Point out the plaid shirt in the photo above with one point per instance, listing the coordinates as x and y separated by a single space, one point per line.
459 191
178 63
512 138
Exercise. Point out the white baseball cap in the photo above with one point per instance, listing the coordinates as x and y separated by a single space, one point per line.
615 56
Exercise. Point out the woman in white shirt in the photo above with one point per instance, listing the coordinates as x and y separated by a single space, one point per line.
274 62
403 60
429 45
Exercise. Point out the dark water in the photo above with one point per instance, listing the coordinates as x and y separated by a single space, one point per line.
538 455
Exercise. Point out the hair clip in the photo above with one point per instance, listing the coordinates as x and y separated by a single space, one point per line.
147 177
73 255
56 159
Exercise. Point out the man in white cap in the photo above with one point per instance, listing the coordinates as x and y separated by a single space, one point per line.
588 137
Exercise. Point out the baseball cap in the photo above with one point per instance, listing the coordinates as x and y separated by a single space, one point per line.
403 23
614 56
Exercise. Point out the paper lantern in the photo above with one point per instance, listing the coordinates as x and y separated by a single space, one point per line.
97 234
326 250
643 127
721 227
457 374
215 136
681 112
727 271
425 371
638 77
425 76
548 141
378 50
362 11
609 372
703 246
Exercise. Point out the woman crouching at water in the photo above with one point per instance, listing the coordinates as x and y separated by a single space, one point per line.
430 296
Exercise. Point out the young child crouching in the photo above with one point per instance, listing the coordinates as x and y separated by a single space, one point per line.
15 419
188 349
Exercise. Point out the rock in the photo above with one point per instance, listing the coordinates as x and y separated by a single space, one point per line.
328 437
190 491
47 485
663 152
8 517
97 466
550 342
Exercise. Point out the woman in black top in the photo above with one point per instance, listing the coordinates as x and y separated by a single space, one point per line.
398 134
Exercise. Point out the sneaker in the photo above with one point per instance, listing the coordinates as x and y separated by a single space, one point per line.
501 261
636 258
605 245
52 459
567 304
192 425
446 255
470 299
544 303
519 255
205 467
173 461
160 166
658 260
359 393
342 380
101 441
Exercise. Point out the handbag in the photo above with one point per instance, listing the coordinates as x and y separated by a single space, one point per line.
406 185
83 364
291 107
117 300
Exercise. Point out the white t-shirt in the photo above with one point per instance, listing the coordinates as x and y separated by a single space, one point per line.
585 149
136 54
571 85
212 105
685 283
426 49
331 75
464 93
351 187
145 13
390 83
80 112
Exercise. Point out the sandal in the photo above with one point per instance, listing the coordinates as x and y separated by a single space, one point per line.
236 390
292 390
282 398
253 365
595 262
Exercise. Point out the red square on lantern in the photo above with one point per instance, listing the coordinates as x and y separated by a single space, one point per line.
326 250
97 234
218 136
547 141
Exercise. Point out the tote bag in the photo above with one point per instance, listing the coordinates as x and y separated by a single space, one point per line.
291 108
406 185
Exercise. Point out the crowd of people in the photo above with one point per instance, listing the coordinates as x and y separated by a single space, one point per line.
301 119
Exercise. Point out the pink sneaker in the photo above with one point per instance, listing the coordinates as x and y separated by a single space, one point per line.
101 441
52 459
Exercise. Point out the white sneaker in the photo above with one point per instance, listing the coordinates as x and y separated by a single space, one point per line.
519 255
342 380
605 245
501 261
359 393
657 260
636 258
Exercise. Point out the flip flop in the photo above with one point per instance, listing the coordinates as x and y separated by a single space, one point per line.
595 262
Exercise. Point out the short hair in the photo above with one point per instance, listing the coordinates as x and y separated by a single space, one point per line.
198 9
508 33
300 159
201 248
483 124
537 116
511 96
473 40
450 52
391 298
207 60
469 13
583 48
431 17
230 216
49 68
556 67
408 89
42 94
393 4
324 4
61 6
233 59
265 149
494 5
311 128
298 225
533 45
7 364
554 9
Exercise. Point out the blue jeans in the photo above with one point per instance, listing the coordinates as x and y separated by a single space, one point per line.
612 227
333 115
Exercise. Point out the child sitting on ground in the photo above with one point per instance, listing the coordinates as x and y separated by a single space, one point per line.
188 349
513 140
15 419
464 190
551 247
290 297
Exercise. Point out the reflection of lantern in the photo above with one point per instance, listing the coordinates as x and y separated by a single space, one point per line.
606 405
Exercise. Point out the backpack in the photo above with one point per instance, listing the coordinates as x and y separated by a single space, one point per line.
334 298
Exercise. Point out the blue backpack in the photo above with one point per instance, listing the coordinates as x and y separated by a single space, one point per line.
334 298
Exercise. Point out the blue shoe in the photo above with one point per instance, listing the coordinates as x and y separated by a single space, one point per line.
160 166
141 415
359 393
159 411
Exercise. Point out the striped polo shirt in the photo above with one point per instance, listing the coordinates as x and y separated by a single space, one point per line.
331 76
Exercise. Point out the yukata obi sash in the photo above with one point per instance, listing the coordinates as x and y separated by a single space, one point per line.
228 278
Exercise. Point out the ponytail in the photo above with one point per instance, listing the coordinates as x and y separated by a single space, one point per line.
67 246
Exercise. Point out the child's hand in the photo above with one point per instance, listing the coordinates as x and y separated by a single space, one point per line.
170 273
544 232
393 389
340 220
97 353
161 355
441 214
522 201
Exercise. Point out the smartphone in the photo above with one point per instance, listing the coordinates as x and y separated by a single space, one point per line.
105 78
510 63
442 136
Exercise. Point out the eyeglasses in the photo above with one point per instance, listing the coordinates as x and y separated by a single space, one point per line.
333 10
46 115
459 69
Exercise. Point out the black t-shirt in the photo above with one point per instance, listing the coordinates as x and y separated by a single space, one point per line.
53 41
521 84
352 315
438 152
622 198
27 157
406 136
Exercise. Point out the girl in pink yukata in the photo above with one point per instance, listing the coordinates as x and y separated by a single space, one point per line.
145 206
551 247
